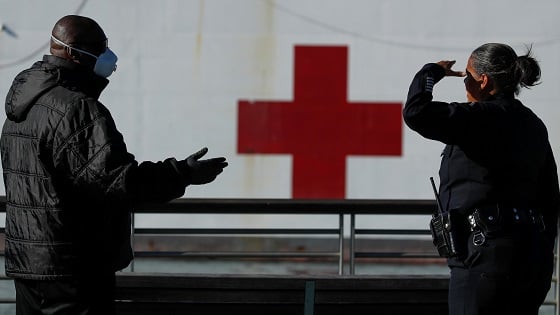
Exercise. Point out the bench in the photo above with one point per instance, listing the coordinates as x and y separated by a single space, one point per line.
273 294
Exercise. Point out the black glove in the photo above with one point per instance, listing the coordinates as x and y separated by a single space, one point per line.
198 172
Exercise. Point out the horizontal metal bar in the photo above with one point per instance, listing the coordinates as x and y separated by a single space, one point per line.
167 231
392 232
289 206
170 254
394 255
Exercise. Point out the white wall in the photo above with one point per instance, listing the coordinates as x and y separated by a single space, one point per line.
184 64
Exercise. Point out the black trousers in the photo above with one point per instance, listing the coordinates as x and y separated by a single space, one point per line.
83 295
506 275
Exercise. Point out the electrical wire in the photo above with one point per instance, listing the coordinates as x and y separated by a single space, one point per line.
316 22
383 41
33 54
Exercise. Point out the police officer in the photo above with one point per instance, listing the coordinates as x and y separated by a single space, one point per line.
498 180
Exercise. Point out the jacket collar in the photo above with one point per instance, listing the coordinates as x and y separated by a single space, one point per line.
77 77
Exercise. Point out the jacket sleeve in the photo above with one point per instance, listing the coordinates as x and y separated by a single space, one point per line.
445 122
91 154
549 196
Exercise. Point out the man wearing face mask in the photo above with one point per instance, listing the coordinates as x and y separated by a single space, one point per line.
70 182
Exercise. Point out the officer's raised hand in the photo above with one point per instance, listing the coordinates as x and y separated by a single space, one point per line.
446 65
197 171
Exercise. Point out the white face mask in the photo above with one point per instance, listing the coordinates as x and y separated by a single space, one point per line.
105 64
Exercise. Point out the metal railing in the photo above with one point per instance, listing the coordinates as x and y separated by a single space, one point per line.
339 208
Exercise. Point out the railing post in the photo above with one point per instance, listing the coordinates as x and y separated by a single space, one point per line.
352 242
132 240
309 299
556 275
341 243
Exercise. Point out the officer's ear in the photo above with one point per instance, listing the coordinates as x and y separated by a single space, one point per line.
486 82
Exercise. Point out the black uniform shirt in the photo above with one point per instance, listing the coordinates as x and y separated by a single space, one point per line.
497 150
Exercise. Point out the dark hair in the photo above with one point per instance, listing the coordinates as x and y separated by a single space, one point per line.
509 72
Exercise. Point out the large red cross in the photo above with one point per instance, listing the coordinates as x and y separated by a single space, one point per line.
320 127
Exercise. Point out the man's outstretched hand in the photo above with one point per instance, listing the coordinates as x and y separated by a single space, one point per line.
197 171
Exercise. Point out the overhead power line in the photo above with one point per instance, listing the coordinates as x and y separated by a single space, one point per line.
38 51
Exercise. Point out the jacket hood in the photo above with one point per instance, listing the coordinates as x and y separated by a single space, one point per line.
44 75
27 87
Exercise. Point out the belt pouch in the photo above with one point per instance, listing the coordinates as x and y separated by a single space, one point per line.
488 220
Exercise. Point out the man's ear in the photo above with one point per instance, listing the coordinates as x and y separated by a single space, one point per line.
72 53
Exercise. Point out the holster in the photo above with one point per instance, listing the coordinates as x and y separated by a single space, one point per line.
442 236
488 220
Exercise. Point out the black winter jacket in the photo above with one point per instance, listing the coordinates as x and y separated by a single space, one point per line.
497 150
70 182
